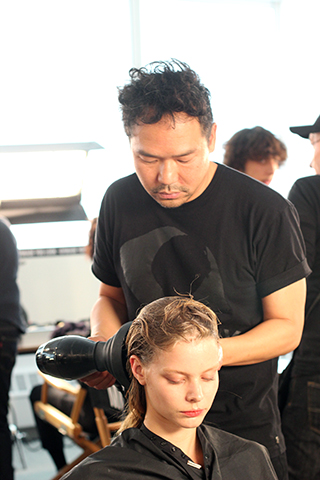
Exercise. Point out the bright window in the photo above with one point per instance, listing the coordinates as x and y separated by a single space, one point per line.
61 63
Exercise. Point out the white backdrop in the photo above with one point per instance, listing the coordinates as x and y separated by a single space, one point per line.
62 60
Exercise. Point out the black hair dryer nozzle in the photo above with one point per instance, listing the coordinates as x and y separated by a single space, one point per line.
72 357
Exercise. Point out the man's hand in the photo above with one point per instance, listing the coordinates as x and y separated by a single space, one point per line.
99 380
108 314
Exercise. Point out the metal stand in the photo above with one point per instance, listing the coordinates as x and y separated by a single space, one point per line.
17 437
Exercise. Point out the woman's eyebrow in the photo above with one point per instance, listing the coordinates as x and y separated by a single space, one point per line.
179 372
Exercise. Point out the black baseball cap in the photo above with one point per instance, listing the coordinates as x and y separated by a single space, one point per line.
305 130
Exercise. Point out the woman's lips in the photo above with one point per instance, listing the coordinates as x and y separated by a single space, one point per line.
193 413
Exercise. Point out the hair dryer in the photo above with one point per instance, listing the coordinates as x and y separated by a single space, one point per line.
72 356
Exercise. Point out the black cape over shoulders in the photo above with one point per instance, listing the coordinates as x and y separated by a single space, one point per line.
133 456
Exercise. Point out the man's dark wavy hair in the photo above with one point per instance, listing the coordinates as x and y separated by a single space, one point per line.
164 88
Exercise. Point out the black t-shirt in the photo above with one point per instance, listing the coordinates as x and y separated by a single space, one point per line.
138 454
305 195
236 243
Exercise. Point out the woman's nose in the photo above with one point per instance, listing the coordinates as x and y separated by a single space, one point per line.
194 393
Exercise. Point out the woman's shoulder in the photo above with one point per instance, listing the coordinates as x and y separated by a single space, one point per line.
131 455
224 440
228 446
112 459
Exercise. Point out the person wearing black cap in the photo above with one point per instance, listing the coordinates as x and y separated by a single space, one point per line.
313 133
300 418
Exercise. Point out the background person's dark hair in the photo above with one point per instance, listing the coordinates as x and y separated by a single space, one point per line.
253 144
164 88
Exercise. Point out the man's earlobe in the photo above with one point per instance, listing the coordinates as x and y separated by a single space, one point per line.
212 141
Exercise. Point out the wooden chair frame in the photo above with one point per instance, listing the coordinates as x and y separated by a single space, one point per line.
69 425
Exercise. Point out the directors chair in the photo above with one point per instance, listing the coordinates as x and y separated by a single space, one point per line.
69 424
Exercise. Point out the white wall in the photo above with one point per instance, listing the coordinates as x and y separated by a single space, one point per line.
59 287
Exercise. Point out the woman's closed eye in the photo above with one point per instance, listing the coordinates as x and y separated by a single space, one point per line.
174 381
208 379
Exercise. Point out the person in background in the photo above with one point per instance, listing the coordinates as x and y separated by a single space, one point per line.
256 152
183 224
12 326
51 438
174 357
301 414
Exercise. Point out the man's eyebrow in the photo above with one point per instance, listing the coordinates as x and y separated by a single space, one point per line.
150 155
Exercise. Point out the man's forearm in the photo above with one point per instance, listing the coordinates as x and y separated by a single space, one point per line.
107 316
267 340
278 334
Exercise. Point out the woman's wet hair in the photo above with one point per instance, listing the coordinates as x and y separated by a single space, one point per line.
158 327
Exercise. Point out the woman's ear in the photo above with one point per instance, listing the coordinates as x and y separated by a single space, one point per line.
137 369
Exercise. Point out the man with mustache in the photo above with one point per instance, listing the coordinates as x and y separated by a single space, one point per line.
184 224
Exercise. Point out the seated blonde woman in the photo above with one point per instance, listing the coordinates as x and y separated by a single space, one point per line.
174 358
